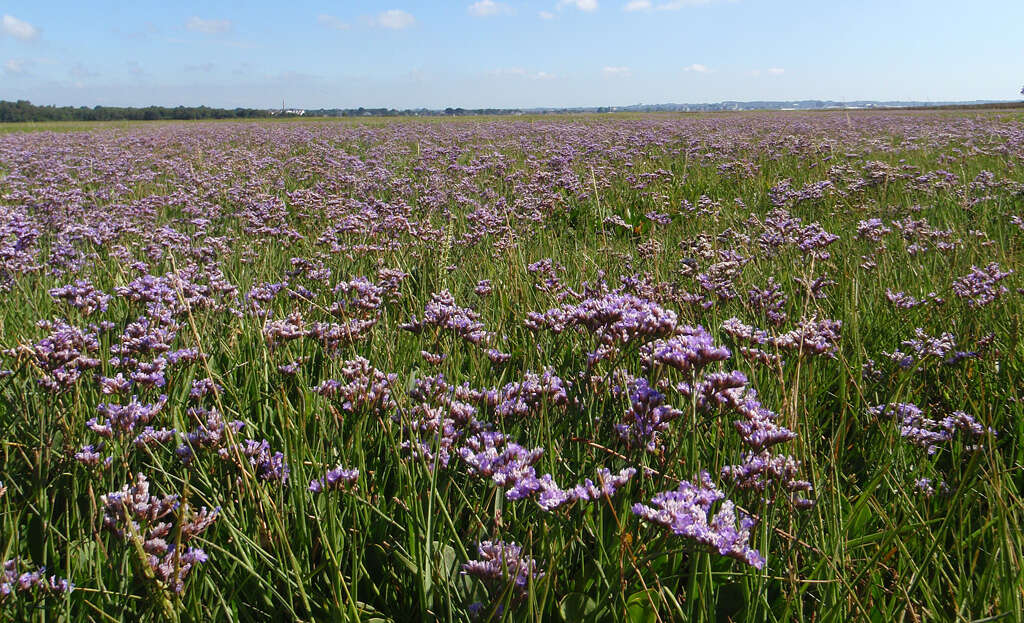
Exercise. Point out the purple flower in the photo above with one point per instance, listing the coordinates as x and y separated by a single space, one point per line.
981 286
135 513
611 318
337 478
82 296
442 312
202 387
648 416
502 564
691 349
122 419
34 582
483 287
362 387
687 512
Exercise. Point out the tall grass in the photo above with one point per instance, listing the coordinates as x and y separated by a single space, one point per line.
392 548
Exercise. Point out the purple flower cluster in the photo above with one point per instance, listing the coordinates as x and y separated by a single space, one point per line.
770 301
336 478
212 433
83 296
34 584
689 350
759 469
267 465
811 336
136 516
503 566
924 347
63 355
331 335
872 229
981 286
930 434
510 466
612 318
526 397
687 512
441 415
902 300
122 419
648 416
484 287
358 297
442 312
363 387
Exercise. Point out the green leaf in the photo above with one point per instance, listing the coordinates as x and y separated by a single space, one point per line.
640 608
577 607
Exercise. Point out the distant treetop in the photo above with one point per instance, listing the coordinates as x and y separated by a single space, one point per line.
23 110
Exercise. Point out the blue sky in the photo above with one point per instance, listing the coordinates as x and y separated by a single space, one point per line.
491 53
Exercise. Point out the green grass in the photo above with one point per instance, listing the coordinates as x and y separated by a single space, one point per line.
872 547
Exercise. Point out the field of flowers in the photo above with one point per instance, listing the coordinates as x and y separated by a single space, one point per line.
738 367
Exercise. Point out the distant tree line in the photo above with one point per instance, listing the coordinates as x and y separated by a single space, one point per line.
23 110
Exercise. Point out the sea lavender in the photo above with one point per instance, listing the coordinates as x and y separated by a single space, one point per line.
122 419
687 512
362 387
504 567
648 416
29 585
83 296
136 516
690 350
981 286
336 478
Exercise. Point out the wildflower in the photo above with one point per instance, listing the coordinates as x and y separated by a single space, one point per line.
503 566
336 478
687 512
981 286
691 349
134 514
13 582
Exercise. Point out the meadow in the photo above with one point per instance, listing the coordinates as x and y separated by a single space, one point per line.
736 367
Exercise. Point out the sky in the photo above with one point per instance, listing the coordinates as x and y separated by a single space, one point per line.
498 54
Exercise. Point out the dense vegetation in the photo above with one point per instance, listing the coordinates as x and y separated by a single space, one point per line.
750 367
23 110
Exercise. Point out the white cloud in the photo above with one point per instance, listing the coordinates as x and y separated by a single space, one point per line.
208 26
675 5
616 71
19 29
330 21
546 15
486 8
16 66
672 5
583 5
395 19
697 68
511 71
204 67
776 71
519 72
